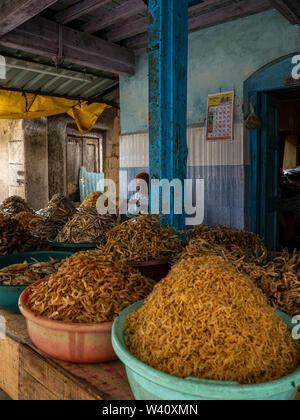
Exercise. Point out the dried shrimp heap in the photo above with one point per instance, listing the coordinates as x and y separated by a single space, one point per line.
91 200
87 226
14 238
278 278
143 239
14 205
207 320
223 235
89 288
27 273
25 218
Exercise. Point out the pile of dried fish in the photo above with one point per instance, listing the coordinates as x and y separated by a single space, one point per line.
14 205
59 207
89 288
206 320
25 218
59 210
87 226
91 200
278 278
223 235
143 239
28 273
14 238
47 227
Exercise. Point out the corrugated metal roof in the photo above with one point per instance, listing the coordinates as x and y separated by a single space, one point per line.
25 72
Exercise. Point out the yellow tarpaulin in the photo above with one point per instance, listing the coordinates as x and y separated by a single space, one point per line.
18 105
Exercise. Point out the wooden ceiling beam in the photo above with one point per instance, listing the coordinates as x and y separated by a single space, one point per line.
236 10
79 9
40 36
14 13
132 28
124 11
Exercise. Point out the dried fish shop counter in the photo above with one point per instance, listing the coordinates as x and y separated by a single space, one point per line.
26 373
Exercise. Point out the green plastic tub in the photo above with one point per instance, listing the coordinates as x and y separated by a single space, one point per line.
150 384
9 295
72 248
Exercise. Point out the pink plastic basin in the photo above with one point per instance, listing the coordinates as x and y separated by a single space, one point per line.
71 342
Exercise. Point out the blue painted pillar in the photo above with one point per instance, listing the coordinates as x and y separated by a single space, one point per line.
168 58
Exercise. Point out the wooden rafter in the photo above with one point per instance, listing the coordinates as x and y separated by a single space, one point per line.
236 10
202 15
79 9
286 11
128 30
124 11
40 36
14 13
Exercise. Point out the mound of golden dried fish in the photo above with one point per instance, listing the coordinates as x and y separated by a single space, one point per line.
27 273
14 238
278 277
25 218
14 205
223 235
89 288
206 320
87 226
91 200
143 239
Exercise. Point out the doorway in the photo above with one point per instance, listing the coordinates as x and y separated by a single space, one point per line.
275 163
82 151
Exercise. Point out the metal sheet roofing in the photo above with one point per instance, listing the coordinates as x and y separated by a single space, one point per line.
25 72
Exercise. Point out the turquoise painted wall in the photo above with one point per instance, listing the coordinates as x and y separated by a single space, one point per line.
220 58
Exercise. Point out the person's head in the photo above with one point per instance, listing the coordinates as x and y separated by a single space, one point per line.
143 176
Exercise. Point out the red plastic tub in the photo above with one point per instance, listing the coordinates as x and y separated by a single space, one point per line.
71 342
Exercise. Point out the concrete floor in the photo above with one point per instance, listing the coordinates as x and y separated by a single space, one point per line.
3 396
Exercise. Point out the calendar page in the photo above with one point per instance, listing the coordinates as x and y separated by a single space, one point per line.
219 121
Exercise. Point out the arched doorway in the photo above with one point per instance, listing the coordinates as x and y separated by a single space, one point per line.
276 98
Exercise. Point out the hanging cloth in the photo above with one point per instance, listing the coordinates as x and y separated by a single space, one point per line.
19 105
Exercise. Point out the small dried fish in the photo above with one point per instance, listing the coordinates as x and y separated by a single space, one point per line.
27 273
59 206
14 205
143 239
206 320
223 235
14 238
87 226
278 277
59 210
26 217
89 288
91 200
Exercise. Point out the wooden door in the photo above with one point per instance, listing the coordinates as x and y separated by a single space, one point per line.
81 151
270 170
